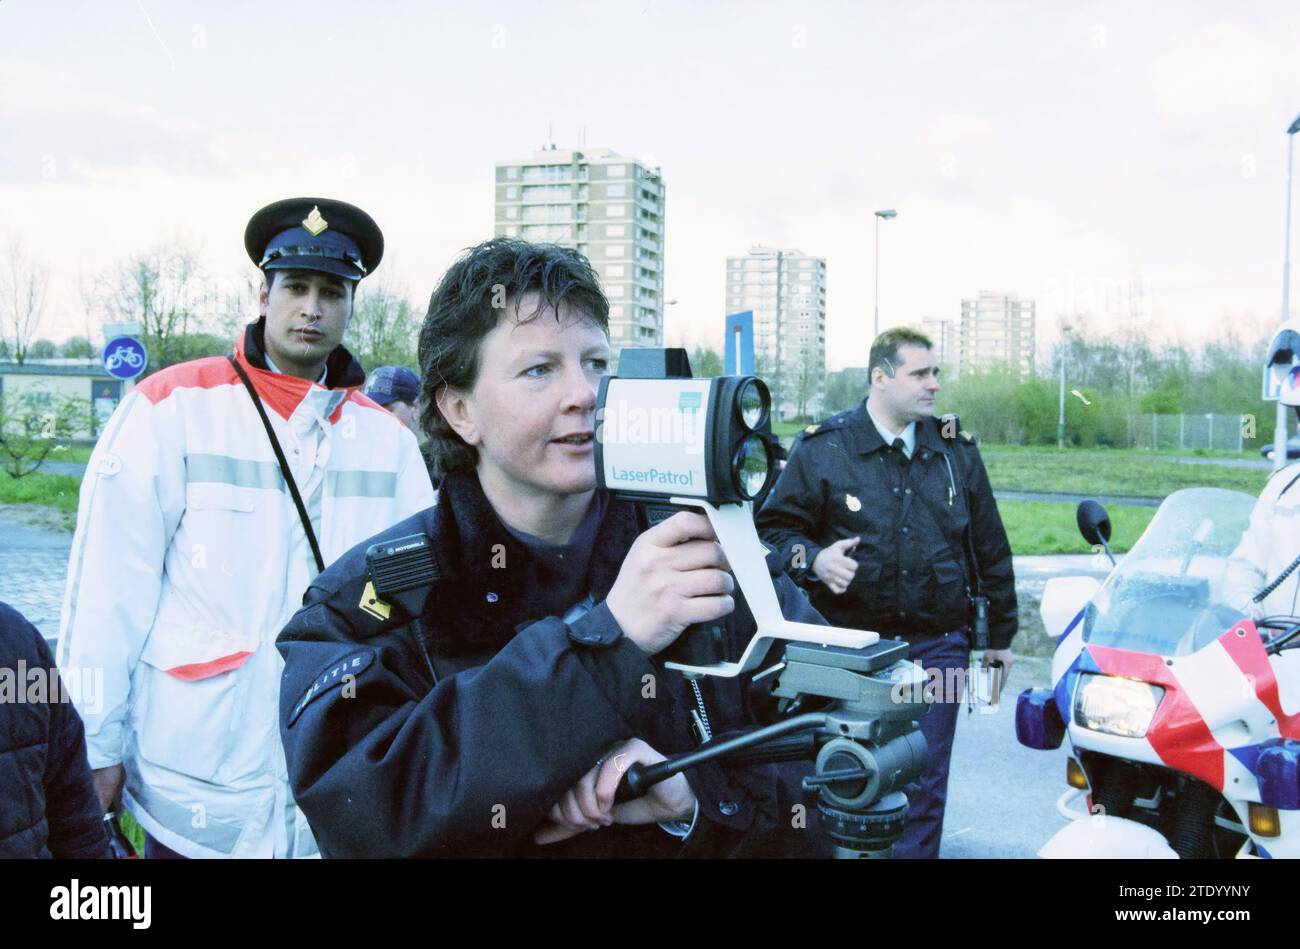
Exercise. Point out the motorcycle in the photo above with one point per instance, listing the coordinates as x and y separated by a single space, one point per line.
1182 713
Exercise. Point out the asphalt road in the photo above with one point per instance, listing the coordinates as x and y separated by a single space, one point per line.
1058 497
1001 795
33 566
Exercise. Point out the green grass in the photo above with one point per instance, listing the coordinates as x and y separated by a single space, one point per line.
1109 471
1249 454
1042 527
133 832
56 491
786 431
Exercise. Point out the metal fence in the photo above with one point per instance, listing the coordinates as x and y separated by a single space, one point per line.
1225 432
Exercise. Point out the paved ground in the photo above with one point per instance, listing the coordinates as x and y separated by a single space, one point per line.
63 468
1033 572
1057 497
33 565
1001 795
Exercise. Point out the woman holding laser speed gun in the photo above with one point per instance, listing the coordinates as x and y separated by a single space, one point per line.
492 707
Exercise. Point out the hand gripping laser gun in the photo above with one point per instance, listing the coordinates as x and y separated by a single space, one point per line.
669 442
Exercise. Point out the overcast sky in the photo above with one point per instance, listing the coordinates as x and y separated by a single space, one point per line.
1064 152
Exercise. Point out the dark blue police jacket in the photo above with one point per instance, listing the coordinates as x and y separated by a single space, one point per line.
454 735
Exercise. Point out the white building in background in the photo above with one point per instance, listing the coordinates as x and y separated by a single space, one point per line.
996 331
943 333
610 208
786 290
41 380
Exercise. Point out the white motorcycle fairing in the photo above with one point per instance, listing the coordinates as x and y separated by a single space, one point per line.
1101 837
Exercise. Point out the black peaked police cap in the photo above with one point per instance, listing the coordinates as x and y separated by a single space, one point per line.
321 234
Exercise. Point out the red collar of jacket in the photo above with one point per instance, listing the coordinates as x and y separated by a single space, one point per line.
284 393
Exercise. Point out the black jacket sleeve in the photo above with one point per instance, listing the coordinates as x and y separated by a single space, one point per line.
792 513
381 766
385 762
72 810
992 554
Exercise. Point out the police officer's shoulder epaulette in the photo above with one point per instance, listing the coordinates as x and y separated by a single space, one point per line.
369 614
950 429
354 597
828 425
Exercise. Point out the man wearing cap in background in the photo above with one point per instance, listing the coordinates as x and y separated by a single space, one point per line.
217 492
397 389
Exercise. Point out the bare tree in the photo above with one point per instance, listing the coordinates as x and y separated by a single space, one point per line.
809 380
166 291
235 306
385 328
23 283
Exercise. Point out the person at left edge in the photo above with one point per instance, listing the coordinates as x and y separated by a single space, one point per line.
49 807
190 553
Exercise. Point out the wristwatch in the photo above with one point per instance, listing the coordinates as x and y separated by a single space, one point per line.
681 828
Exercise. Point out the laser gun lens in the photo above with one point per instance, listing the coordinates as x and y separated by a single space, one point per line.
751 466
752 403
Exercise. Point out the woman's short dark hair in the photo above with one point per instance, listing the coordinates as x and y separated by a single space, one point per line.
485 283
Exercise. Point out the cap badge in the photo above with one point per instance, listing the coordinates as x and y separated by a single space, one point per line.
852 503
314 224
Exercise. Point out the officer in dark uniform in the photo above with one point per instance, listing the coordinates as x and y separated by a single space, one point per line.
482 715
886 516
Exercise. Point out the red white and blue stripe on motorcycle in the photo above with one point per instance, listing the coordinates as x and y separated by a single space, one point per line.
1219 704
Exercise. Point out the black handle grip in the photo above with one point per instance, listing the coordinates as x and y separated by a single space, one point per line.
631 786
640 778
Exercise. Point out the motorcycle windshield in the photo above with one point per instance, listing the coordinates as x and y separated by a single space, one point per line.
1167 596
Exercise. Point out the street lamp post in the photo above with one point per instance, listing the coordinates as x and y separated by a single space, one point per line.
1286 263
886 215
1281 426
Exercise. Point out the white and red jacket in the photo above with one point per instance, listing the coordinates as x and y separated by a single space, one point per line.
1268 546
188 560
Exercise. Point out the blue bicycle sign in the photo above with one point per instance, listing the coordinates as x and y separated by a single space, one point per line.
125 357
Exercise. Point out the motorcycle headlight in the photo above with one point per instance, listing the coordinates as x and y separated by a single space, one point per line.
1116 706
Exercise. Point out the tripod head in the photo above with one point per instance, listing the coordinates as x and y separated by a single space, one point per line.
863 739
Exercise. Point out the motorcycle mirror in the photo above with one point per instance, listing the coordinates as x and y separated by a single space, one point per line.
1093 521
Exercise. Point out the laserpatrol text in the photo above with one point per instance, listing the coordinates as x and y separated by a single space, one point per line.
652 476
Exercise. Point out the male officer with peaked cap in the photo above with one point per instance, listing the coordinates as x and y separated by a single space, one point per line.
886 514
192 550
